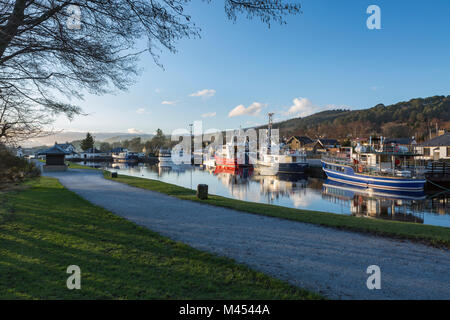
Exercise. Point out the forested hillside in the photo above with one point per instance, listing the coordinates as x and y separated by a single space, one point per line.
404 119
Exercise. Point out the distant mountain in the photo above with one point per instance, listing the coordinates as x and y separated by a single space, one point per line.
69 136
127 136
404 119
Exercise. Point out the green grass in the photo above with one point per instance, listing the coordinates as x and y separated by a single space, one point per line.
74 165
432 235
45 228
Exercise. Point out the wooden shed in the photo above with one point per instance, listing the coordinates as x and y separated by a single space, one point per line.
54 159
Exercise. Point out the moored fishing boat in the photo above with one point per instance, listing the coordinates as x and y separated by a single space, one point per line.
283 162
383 167
228 156
123 155
165 158
289 161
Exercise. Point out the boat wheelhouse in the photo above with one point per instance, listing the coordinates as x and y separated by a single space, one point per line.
288 161
280 162
123 155
385 167
165 158
228 156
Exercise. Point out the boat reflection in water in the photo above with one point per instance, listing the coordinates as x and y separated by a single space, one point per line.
301 192
384 204
241 183
236 179
291 186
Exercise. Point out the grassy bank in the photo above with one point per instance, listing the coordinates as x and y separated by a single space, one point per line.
436 236
45 228
74 165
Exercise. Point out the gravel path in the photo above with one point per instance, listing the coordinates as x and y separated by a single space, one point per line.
325 260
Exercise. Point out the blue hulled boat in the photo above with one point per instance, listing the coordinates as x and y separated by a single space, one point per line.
286 162
383 168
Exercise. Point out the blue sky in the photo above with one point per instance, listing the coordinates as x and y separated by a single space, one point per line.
324 58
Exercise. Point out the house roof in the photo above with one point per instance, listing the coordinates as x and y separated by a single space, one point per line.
328 141
92 150
302 139
399 141
55 150
440 141
118 150
65 145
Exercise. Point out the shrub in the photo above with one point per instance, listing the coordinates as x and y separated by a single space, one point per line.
14 169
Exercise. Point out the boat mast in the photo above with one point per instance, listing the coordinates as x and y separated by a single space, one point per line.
269 129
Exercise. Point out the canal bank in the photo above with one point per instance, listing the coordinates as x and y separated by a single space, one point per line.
325 260
45 228
301 192
431 235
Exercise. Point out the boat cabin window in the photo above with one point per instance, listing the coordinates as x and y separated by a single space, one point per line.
334 168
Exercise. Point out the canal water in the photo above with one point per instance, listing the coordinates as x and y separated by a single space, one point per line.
301 191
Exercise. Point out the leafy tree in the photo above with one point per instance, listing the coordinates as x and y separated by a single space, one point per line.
105 147
135 145
88 142
159 141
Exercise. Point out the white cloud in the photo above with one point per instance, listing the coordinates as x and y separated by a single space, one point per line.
252 110
205 93
303 107
252 123
209 115
134 131
157 90
142 111
171 103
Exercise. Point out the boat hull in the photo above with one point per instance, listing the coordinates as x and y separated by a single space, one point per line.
125 160
346 174
226 162
296 167
165 161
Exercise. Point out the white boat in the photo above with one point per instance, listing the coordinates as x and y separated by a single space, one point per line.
123 155
165 158
288 161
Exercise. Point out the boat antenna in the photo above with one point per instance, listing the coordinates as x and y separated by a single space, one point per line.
269 129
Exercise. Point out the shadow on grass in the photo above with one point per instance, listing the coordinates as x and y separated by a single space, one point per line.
54 228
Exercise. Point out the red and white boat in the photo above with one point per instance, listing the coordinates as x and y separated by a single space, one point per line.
228 156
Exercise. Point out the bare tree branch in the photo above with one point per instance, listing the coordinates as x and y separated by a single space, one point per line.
43 58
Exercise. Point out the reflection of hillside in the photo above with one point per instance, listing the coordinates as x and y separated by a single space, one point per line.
369 203
315 183
168 169
440 204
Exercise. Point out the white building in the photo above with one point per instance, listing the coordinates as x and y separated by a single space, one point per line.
437 148
71 151
93 153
